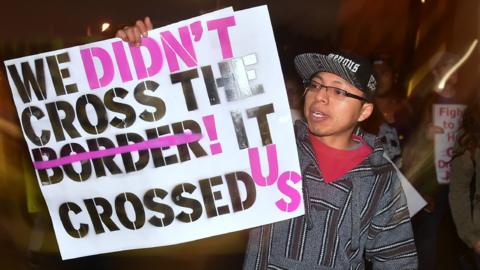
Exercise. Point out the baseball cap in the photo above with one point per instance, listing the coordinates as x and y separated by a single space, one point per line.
354 69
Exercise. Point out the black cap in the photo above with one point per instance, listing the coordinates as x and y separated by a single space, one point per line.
354 69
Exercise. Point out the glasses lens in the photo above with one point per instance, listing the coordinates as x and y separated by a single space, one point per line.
311 88
336 93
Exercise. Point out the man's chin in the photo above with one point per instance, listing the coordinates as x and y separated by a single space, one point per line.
316 132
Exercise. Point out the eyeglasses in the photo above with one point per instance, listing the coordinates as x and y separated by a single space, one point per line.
332 92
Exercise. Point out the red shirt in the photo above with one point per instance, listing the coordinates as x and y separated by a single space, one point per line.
334 163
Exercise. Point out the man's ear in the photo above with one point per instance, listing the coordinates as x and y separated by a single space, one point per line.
366 111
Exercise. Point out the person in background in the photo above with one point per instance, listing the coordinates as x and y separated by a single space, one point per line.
294 98
464 193
387 102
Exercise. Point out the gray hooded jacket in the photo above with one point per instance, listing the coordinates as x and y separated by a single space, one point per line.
361 216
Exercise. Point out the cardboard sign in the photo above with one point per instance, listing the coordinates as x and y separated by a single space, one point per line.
186 137
449 118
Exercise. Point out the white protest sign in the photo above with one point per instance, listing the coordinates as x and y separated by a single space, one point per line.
448 117
415 201
186 137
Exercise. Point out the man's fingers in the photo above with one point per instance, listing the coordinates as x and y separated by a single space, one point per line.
138 36
141 27
130 35
148 23
121 34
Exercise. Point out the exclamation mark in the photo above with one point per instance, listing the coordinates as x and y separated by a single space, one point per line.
209 121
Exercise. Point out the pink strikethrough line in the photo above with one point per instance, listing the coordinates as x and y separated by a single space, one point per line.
164 141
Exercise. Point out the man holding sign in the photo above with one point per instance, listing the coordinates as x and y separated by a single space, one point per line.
168 141
355 206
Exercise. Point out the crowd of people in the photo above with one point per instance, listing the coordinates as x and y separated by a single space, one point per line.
451 204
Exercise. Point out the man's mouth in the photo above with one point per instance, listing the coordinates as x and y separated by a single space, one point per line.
318 115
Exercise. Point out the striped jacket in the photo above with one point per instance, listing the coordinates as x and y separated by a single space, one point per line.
361 216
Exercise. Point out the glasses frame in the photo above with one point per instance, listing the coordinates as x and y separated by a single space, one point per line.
319 87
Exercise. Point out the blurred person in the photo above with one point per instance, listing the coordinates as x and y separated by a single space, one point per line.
464 193
355 207
387 103
294 99
14 226
432 226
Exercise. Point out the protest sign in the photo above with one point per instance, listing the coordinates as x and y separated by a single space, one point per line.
415 201
448 117
186 137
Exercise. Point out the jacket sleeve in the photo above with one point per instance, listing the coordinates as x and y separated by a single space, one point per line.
256 256
462 171
390 243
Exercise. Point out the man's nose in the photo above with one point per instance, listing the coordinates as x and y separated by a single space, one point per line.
322 95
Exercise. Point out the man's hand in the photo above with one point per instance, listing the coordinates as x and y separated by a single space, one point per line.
476 247
133 34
